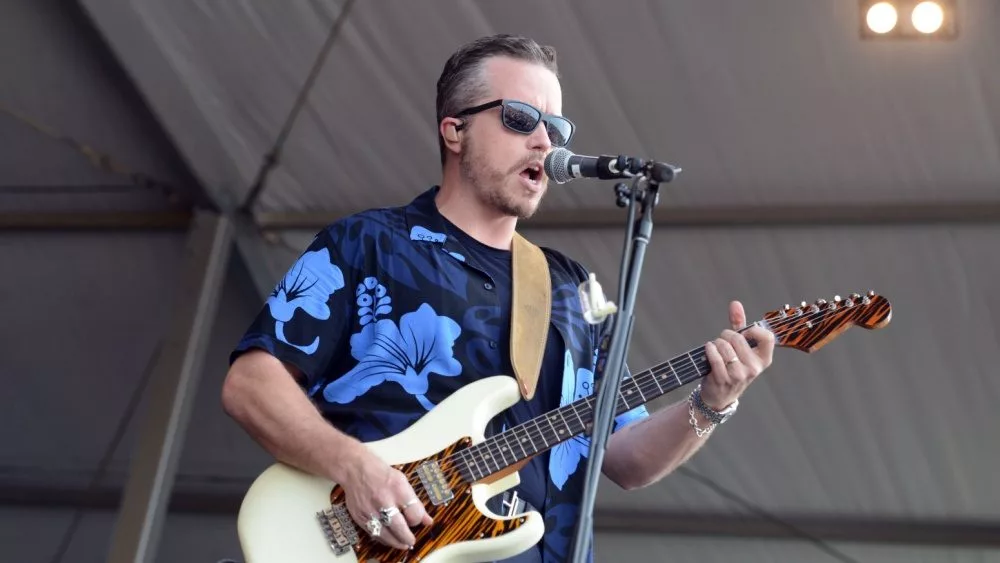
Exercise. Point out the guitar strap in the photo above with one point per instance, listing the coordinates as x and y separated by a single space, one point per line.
530 313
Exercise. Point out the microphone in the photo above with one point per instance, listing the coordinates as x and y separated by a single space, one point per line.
561 166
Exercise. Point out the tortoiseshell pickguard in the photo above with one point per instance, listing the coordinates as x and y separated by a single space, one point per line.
457 521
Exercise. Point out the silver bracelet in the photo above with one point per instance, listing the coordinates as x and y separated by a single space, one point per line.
700 432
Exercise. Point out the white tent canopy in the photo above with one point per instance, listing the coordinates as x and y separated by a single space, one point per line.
815 164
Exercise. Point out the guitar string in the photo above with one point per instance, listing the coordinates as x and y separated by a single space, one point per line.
643 381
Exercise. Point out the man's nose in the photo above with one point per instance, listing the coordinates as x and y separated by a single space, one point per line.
539 138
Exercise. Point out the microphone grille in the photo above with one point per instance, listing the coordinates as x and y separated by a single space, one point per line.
557 165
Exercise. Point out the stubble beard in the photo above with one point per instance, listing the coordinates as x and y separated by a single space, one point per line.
488 184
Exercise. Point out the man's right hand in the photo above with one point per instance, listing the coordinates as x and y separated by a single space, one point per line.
371 485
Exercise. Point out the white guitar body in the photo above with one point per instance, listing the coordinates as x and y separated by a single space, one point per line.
278 518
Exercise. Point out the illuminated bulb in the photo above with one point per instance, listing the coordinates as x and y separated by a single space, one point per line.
882 17
927 17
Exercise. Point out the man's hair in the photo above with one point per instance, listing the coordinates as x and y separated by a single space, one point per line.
462 82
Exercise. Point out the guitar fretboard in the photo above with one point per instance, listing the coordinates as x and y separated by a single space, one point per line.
544 432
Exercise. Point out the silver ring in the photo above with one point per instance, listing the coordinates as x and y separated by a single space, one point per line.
409 503
733 360
373 526
386 514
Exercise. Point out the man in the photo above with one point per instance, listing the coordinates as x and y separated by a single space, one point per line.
391 310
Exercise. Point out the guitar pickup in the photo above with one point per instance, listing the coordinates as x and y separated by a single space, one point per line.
338 528
435 483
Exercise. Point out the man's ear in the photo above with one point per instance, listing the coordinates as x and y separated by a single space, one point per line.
450 128
451 132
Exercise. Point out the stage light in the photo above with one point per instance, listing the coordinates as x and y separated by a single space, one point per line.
881 17
908 19
927 17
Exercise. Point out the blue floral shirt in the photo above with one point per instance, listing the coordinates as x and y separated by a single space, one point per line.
389 311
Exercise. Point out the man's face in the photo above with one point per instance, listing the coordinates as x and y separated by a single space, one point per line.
499 163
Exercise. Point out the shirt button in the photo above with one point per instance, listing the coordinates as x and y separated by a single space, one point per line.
488 286
493 345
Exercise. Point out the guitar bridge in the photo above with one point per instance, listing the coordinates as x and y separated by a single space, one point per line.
338 528
435 483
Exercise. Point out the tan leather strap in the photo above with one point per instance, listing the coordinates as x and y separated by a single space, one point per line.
530 313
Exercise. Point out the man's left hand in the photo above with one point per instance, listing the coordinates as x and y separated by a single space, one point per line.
734 363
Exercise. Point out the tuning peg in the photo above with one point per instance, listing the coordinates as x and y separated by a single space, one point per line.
821 302
871 293
836 298
804 305
855 297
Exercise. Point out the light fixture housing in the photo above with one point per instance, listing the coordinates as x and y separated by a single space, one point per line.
904 28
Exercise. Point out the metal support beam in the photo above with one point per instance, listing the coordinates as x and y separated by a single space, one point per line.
172 390
860 529
95 221
749 216
253 251
888 530
712 216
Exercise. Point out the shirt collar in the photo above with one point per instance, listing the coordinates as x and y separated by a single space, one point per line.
425 224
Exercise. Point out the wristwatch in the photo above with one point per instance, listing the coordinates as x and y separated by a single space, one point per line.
714 416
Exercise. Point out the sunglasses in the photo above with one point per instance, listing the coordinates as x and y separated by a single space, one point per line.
523 118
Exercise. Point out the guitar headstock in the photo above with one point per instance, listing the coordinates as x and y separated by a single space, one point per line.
809 327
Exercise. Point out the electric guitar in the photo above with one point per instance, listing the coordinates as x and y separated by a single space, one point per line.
288 515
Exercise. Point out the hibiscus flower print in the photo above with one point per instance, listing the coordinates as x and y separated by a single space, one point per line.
422 344
308 285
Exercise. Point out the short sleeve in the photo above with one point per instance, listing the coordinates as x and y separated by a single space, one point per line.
305 320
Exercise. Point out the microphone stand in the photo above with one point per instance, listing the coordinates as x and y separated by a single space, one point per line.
611 360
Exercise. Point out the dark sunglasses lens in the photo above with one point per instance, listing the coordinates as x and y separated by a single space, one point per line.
520 117
559 130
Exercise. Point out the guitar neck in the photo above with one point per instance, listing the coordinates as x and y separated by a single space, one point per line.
546 431
806 328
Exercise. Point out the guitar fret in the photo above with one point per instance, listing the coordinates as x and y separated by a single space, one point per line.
495 450
691 359
555 431
639 388
670 364
472 456
466 457
568 429
489 456
583 425
520 440
541 433
507 447
652 376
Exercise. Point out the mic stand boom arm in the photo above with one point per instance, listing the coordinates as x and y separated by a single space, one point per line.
611 360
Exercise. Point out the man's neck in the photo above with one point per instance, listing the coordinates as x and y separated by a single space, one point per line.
458 203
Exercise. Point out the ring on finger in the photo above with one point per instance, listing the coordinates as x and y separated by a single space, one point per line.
373 526
733 360
387 514
409 503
